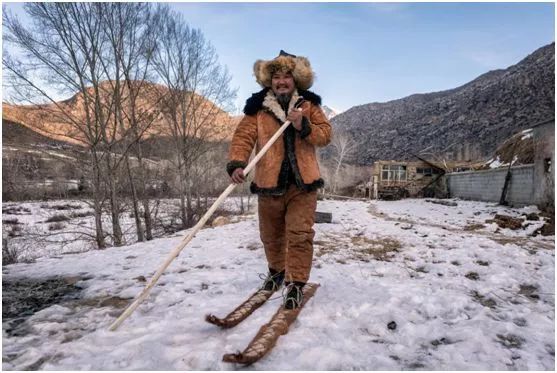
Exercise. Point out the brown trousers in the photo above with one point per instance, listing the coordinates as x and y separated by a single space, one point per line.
286 229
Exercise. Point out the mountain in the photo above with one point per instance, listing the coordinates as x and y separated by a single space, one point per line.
329 112
16 134
467 122
63 120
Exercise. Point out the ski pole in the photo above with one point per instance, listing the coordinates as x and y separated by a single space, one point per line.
141 297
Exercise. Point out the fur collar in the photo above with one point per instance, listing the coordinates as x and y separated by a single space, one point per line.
255 102
270 103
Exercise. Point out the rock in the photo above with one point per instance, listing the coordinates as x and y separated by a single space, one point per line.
323 217
442 202
472 276
548 229
140 279
72 280
220 221
532 216
391 325
115 302
406 226
506 221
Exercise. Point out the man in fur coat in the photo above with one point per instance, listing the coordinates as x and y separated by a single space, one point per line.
287 176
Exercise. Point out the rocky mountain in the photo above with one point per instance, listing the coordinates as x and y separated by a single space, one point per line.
329 112
64 120
467 122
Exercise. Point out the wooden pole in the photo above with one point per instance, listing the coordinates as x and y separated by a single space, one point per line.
128 311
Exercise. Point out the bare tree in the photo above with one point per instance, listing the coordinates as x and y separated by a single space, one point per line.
131 34
198 88
344 148
58 56
109 57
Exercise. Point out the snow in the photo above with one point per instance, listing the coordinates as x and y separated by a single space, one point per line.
36 239
403 261
527 134
40 152
496 163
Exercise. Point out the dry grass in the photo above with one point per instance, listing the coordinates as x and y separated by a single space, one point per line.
379 249
56 226
473 226
358 248
483 300
326 247
57 218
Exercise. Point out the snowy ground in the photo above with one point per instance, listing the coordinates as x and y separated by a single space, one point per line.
463 297
39 229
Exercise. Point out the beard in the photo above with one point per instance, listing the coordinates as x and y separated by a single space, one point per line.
284 100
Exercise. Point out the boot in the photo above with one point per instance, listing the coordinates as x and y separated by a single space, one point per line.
274 280
294 296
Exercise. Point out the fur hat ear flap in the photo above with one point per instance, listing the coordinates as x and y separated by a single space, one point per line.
303 75
298 66
262 77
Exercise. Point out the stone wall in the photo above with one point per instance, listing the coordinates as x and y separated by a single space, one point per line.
487 185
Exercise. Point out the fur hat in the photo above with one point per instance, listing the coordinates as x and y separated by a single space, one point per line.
284 62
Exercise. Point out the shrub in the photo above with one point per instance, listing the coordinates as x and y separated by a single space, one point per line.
13 221
57 218
66 207
56 227
15 231
82 214
9 254
16 210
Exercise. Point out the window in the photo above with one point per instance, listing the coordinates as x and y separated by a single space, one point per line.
427 171
423 171
393 172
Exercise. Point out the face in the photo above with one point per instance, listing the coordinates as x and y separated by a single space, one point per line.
282 83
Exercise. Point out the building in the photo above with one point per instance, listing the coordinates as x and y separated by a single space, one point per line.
400 179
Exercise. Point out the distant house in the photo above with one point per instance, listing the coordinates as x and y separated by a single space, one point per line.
394 179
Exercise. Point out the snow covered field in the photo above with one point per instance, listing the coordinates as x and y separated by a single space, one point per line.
462 297
52 228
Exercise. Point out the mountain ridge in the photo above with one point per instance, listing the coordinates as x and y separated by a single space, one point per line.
62 120
471 120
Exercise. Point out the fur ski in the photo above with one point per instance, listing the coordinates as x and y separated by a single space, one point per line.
269 333
242 311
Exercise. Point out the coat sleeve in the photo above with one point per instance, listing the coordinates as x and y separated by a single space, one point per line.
242 144
316 129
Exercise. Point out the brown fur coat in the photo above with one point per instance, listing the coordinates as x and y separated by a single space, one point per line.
294 150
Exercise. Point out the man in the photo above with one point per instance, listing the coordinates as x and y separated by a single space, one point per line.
287 176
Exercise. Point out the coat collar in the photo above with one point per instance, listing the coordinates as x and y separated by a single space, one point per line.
255 102
271 104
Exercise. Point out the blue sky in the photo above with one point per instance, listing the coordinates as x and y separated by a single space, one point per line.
374 52
366 52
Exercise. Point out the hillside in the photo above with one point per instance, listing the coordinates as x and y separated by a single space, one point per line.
467 122
64 120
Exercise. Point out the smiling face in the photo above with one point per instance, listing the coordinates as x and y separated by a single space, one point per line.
282 83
